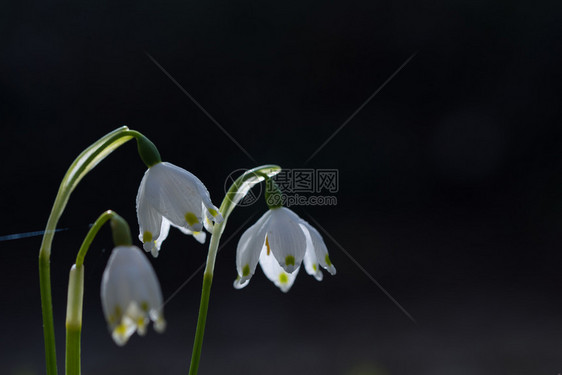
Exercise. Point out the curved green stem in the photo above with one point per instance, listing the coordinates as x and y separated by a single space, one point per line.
122 236
236 192
100 221
84 163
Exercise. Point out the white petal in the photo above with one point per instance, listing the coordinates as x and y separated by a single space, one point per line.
158 318
164 230
150 220
276 273
164 190
129 277
320 248
138 317
249 247
286 238
130 293
175 193
123 331
238 284
208 224
209 208
209 218
310 261
199 236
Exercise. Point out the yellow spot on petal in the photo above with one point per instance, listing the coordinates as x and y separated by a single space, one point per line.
144 306
328 261
118 312
141 325
213 212
121 329
146 236
191 218
315 267
283 278
111 319
290 260
267 245
246 270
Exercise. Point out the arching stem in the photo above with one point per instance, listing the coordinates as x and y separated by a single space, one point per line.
236 192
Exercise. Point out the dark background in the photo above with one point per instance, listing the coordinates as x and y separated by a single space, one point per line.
449 178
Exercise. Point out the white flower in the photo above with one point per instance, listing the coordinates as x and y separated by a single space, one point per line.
280 241
130 294
169 195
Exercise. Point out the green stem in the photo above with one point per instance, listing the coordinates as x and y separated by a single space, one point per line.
74 319
87 160
100 221
121 236
236 192
205 295
47 312
84 163
72 364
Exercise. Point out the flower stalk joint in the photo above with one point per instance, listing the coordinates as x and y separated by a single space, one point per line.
273 195
121 231
148 151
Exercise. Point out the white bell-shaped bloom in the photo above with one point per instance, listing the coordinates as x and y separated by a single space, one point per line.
130 294
169 195
280 241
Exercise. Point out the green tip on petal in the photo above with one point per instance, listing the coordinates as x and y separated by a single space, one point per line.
283 278
160 324
290 260
213 212
146 236
246 270
191 218
328 261
121 329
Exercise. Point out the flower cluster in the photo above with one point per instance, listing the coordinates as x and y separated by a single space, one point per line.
280 241
169 196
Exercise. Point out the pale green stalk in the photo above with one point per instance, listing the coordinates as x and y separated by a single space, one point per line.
236 192
74 319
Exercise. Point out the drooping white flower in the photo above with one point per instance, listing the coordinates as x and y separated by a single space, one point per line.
169 195
130 294
280 241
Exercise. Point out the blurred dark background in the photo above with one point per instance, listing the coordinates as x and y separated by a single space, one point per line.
449 189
